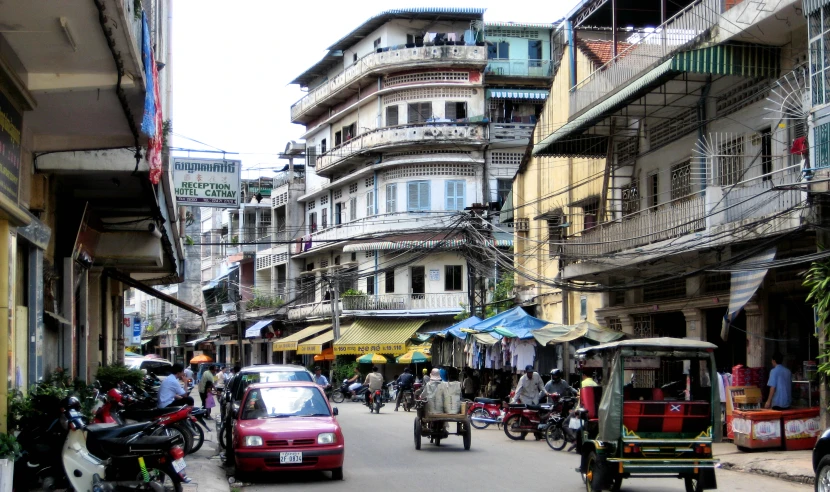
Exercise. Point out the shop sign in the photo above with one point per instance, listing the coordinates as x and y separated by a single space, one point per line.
207 182
132 331
313 349
284 346
435 275
371 348
11 124
261 186
165 341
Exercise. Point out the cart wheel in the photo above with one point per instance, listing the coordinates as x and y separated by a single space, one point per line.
468 434
417 434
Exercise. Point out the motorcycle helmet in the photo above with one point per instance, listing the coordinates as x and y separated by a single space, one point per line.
556 373
424 371
114 395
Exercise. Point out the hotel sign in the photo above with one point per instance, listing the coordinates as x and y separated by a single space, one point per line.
207 182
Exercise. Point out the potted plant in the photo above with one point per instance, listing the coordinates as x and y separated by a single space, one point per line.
10 450
354 299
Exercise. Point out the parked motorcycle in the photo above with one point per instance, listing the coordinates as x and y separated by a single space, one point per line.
41 439
485 412
103 457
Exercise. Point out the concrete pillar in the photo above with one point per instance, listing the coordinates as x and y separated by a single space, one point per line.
694 328
627 322
5 326
755 332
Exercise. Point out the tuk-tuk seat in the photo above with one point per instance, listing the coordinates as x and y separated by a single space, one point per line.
589 397
667 416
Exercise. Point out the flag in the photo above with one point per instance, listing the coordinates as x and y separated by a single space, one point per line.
151 123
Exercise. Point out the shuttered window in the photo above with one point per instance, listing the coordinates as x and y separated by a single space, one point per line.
370 203
419 112
455 195
392 116
353 208
454 110
391 198
418 196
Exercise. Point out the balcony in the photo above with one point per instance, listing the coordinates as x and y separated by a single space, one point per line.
331 91
432 134
509 67
646 50
365 228
725 213
310 311
449 302
510 131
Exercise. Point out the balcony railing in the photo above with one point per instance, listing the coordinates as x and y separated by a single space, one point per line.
756 198
376 62
312 310
510 67
425 133
383 223
510 131
646 50
449 301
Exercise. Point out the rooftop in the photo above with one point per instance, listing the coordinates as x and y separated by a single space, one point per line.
600 51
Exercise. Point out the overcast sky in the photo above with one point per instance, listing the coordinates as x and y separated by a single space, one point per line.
232 62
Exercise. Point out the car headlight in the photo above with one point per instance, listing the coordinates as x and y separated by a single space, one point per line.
326 438
253 441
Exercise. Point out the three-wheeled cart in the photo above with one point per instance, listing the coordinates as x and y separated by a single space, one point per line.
437 426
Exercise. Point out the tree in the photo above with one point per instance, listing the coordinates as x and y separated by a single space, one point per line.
503 297
818 281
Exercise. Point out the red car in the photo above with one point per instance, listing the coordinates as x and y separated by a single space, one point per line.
287 426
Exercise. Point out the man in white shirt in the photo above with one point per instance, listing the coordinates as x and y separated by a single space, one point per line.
529 387
171 392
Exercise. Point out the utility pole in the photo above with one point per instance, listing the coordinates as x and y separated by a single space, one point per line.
335 309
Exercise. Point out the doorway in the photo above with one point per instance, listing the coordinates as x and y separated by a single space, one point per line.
418 282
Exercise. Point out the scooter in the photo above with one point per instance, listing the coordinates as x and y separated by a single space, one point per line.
103 457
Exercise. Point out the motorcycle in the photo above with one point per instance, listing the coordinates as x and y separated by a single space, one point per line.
407 399
562 426
102 457
485 412
41 439
521 419
339 395
375 401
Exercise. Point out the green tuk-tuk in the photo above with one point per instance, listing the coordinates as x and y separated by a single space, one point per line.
656 413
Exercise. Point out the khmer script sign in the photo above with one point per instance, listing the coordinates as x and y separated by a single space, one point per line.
207 182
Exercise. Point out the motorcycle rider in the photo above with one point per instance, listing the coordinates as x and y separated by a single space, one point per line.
557 385
425 376
529 387
405 383
171 392
354 381
374 381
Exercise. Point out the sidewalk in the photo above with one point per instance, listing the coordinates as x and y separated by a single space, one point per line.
204 468
793 466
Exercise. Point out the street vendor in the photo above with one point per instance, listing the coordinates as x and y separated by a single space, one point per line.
529 388
780 385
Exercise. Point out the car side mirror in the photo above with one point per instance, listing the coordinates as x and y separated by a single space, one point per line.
335 412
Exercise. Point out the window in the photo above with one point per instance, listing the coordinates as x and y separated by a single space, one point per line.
492 51
311 155
353 208
534 49
349 132
555 230
503 186
324 218
615 323
418 196
591 212
376 44
653 190
583 307
630 198
818 32
731 162
312 222
418 112
452 278
338 138
766 152
391 198
370 203
390 282
455 110
370 285
338 213
392 116
410 39
354 58
353 188
504 50
323 146
681 180
455 194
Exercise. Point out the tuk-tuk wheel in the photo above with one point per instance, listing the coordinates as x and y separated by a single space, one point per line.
597 476
417 433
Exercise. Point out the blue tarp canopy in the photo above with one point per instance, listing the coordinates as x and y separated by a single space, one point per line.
513 322
455 330
253 331
214 282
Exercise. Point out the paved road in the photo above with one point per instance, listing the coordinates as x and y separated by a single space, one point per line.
380 453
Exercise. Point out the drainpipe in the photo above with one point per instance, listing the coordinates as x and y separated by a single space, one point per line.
377 253
569 28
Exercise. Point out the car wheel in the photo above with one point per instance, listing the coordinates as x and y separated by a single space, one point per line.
823 475
337 474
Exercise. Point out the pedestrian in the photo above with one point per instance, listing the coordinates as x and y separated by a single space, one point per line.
468 386
188 377
321 380
207 377
425 378
529 387
780 385
171 392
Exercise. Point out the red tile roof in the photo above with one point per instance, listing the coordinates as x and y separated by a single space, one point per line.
599 51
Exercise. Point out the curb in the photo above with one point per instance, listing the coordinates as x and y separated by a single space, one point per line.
802 479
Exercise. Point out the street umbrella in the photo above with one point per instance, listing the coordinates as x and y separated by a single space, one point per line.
199 359
372 359
413 357
328 354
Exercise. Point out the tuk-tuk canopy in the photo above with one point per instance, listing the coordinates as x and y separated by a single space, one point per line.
568 333
665 345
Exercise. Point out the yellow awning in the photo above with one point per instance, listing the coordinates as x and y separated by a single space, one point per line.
291 341
382 336
315 345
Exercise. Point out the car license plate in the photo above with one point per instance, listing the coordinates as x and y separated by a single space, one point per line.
179 465
291 458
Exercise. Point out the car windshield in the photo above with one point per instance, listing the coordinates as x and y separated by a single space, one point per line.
288 401
249 378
